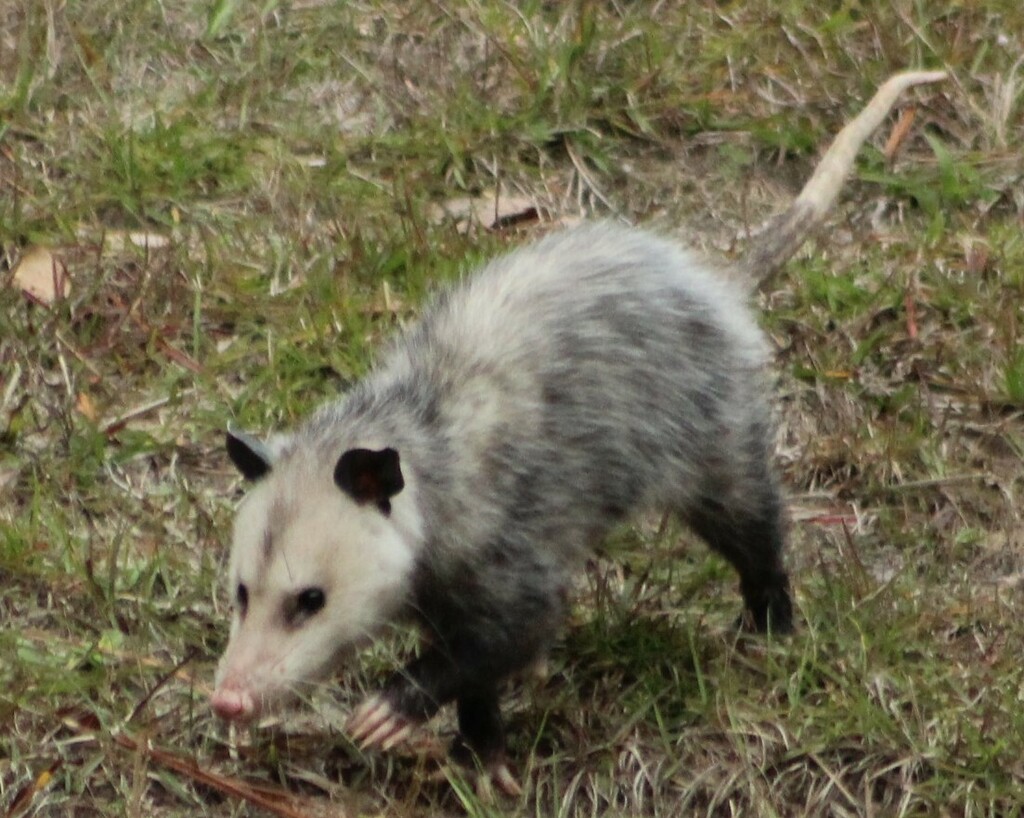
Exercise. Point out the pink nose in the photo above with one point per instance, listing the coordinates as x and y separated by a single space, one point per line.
233 704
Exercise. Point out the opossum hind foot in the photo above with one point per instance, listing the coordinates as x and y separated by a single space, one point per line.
492 773
769 607
497 775
486 781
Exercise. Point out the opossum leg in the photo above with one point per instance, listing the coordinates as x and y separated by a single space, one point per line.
752 541
481 740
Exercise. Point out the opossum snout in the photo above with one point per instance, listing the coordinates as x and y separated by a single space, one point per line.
233 704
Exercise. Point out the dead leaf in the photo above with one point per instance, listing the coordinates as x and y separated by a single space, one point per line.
899 133
492 209
116 241
41 275
179 357
24 797
976 258
86 407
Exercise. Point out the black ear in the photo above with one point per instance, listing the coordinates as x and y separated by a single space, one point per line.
250 455
370 477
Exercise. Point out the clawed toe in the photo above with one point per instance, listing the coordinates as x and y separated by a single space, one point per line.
485 780
502 778
376 724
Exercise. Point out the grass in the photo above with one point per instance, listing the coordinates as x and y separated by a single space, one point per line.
282 166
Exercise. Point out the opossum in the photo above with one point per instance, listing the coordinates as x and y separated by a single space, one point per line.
601 370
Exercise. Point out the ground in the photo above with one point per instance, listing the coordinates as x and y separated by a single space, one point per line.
236 203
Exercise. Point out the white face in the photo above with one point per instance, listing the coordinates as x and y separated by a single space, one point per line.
312 574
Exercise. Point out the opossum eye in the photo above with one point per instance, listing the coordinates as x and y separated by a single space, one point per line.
301 606
308 602
242 599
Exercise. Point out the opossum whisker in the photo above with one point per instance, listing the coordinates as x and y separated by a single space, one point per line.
287 566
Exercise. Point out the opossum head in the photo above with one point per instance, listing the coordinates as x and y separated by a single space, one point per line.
322 553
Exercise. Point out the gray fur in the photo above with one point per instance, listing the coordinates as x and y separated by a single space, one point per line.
601 370
618 372
598 371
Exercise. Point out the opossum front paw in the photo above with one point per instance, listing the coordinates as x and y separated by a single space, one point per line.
376 724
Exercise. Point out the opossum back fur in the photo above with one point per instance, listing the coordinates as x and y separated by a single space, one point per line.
598 370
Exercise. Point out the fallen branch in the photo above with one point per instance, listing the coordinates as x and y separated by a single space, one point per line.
277 801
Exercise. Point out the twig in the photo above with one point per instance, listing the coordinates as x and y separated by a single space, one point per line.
78 354
914 485
122 420
276 801
166 677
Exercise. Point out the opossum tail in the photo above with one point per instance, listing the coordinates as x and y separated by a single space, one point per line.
786 232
